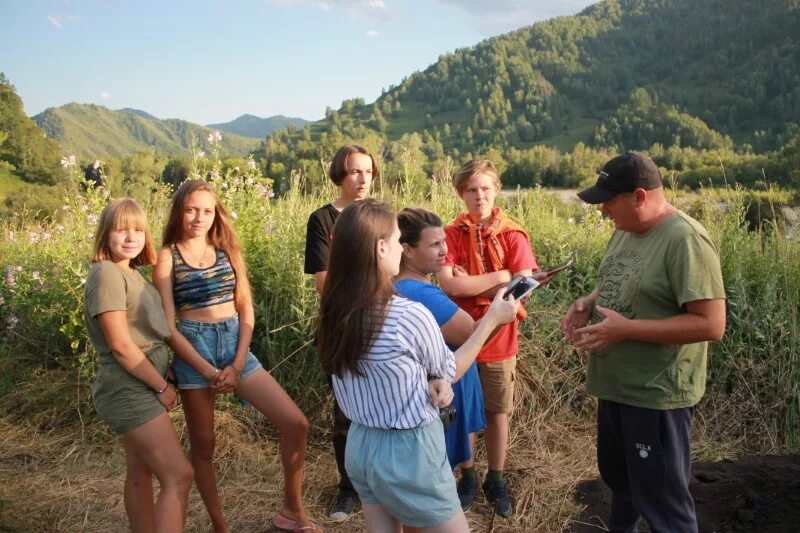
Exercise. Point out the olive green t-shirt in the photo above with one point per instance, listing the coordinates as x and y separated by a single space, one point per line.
653 276
113 288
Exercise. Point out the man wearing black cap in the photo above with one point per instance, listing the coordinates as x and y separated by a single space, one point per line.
658 300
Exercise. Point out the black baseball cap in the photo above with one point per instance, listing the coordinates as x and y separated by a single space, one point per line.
624 173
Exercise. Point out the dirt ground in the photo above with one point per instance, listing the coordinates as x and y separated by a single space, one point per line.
753 493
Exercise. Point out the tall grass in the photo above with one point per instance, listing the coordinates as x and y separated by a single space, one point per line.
752 401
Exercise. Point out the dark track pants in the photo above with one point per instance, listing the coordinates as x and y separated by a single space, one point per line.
643 456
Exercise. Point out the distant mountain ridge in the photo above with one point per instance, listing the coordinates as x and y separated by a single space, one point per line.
252 126
91 131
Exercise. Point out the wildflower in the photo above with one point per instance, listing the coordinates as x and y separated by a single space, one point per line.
91 219
60 227
11 322
251 165
36 276
218 136
210 138
83 281
11 279
224 186
270 193
201 154
33 236
570 220
68 161
214 174
96 164
249 181
234 216
584 206
45 235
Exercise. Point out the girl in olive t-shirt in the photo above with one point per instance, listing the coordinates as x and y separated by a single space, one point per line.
127 326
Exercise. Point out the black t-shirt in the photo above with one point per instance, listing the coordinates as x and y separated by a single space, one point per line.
319 232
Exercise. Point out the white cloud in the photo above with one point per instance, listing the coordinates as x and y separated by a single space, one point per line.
372 33
55 22
105 95
506 15
355 8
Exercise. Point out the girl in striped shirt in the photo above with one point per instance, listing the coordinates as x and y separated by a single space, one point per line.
381 350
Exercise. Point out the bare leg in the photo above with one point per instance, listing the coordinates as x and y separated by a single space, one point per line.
473 440
139 503
456 524
266 395
496 439
378 519
198 405
156 444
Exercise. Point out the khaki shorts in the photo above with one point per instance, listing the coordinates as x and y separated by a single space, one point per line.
497 382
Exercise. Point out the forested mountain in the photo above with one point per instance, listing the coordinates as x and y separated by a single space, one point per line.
25 151
702 74
257 127
91 131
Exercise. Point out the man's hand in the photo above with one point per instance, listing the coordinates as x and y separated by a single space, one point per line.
440 392
603 335
577 316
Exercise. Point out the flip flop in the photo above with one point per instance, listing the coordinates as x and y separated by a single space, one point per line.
287 524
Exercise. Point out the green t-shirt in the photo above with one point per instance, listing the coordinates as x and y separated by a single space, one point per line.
113 288
652 276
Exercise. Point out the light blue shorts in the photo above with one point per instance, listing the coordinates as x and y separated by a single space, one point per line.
404 470
216 342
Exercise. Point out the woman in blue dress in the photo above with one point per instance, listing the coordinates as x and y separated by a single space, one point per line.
424 250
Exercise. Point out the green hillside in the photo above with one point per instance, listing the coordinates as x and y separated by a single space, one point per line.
92 131
628 74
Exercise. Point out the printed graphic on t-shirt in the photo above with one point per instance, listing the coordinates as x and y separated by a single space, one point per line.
620 276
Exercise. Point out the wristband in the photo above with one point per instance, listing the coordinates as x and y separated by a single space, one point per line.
213 375
166 384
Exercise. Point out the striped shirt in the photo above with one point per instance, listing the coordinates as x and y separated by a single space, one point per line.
393 392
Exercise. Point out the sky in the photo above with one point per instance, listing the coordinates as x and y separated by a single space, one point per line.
210 61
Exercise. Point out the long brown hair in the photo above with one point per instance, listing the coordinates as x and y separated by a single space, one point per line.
220 234
357 288
124 213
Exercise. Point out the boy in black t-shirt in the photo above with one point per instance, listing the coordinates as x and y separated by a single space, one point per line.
352 170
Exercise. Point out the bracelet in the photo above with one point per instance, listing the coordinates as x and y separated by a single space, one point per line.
213 375
166 384
238 372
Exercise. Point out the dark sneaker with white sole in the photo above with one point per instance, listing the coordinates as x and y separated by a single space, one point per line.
496 493
344 505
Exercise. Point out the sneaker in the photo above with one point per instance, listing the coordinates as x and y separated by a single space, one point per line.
345 504
467 488
497 494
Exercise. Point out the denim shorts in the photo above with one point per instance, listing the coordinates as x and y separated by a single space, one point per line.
404 470
216 342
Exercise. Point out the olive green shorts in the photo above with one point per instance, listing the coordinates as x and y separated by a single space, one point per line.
122 400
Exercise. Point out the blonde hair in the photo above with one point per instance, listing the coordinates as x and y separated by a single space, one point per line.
472 167
220 235
124 213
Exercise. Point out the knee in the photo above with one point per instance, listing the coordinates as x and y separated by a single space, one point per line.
202 448
183 475
297 428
